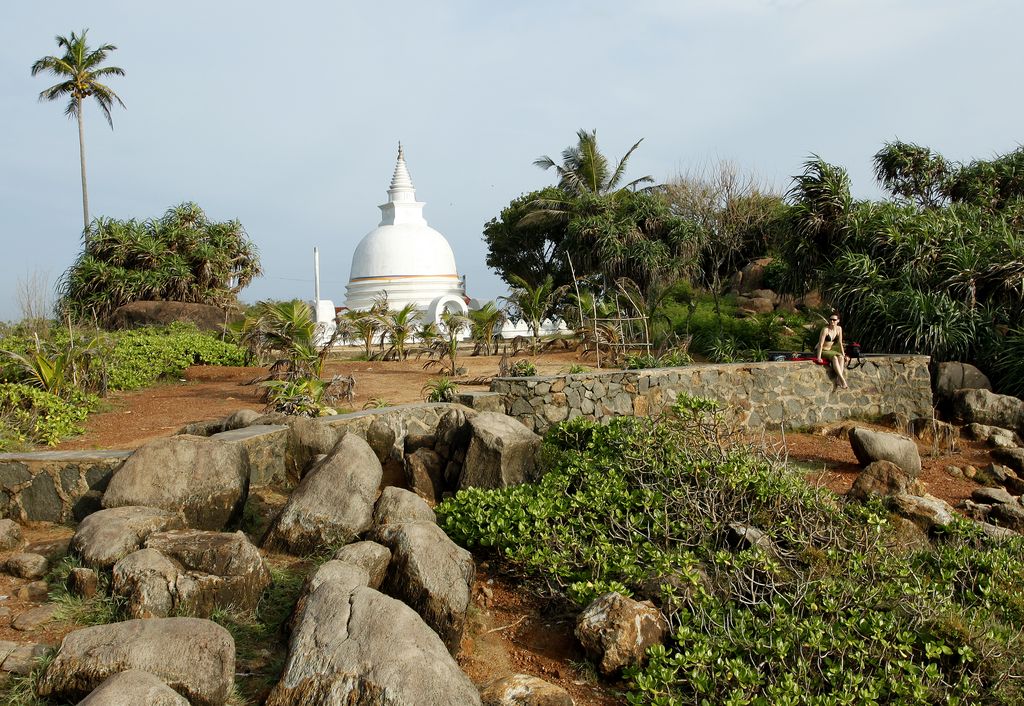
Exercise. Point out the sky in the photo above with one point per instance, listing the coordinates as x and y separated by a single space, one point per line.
287 116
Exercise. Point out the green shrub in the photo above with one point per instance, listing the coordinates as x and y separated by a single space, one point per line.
522 368
142 356
834 610
32 416
670 359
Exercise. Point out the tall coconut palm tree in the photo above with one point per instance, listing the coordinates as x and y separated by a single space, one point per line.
81 76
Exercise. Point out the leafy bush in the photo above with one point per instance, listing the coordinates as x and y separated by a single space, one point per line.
522 368
833 610
32 416
301 397
142 356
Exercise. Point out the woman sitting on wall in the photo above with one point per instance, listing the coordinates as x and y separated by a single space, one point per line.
832 335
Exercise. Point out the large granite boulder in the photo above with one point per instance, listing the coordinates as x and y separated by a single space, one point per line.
952 376
194 657
502 452
334 502
524 690
109 535
397 505
431 574
133 688
870 446
1012 458
881 479
191 572
161 313
353 645
616 631
204 480
985 407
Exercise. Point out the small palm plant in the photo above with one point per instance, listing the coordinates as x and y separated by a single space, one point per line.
486 326
445 347
440 389
400 326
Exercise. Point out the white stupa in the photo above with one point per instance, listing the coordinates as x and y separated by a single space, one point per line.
405 257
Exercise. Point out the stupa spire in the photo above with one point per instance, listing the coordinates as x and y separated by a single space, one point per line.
401 183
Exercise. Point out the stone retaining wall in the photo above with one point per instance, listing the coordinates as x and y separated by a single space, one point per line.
55 486
792 394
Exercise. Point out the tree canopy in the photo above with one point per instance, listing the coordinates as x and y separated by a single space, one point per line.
182 256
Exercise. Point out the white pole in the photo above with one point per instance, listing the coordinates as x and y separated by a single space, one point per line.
316 280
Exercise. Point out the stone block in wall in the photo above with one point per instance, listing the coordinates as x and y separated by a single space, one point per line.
268 448
482 401
53 486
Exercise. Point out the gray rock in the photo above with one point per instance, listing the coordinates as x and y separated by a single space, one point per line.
1014 458
431 574
34 618
353 645
194 657
146 579
741 536
880 479
206 481
869 446
240 419
424 474
27 565
950 377
991 496
502 452
370 556
927 512
1009 515
34 592
133 688
109 535
616 631
397 505
996 436
10 535
191 572
985 407
309 438
334 502
524 690
24 657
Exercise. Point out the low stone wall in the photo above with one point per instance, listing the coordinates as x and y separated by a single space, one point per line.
792 394
55 486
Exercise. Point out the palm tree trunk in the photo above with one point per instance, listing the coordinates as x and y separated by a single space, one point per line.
81 151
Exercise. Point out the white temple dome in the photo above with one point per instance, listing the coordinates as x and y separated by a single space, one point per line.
405 257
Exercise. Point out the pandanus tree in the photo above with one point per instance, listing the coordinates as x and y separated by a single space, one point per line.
81 76
182 256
